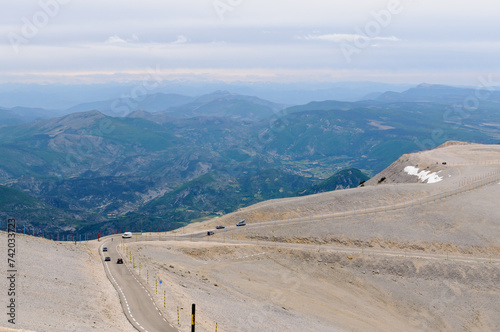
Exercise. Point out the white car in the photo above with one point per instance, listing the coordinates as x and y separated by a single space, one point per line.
127 235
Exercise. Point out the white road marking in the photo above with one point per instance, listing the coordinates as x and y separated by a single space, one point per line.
125 298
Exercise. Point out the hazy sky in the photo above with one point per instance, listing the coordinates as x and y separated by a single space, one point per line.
70 41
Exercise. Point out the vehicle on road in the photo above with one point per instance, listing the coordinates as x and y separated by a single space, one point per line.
220 227
127 235
105 249
241 223
210 233
107 259
119 261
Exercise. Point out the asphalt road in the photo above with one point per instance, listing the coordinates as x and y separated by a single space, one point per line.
137 302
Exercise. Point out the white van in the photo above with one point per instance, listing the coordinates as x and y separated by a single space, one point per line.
127 235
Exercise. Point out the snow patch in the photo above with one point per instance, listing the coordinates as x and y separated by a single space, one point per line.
423 175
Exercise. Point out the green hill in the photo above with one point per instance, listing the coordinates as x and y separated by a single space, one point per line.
348 178
31 212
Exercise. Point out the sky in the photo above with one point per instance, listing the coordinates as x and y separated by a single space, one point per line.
395 41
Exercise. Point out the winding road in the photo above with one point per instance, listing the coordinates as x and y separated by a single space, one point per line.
137 302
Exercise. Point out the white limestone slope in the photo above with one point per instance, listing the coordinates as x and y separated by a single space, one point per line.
61 287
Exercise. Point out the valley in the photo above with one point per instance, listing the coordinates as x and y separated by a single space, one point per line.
216 153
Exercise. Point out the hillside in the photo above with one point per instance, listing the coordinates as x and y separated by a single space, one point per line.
47 272
348 178
93 166
403 195
424 255
408 266
15 203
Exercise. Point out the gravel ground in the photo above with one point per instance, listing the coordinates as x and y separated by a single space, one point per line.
367 293
266 288
62 287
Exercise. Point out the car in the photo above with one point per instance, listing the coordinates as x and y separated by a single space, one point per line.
107 259
241 223
127 235
105 249
119 261
220 227
210 233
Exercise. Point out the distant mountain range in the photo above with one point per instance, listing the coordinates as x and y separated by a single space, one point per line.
17 115
62 97
216 153
125 105
219 103
428 93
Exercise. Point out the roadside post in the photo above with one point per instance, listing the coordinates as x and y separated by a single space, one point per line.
193 317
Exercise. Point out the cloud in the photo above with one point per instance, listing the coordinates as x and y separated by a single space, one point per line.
115 40
180 40
345 37
134 39
88 37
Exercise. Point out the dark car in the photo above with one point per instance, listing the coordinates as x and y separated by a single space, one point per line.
220 227
210 233
107 259
241 223
105 249
119 261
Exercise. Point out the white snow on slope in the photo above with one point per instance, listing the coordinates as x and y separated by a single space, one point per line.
423 175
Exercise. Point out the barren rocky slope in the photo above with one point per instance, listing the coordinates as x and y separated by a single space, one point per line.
62 287
420 267
459 209
249 287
